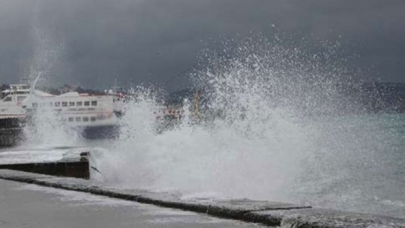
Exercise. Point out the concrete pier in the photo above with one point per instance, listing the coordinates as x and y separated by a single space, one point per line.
26 205
262 212
78 169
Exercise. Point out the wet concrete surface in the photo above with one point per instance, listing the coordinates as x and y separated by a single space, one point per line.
26 205
328 218
263 212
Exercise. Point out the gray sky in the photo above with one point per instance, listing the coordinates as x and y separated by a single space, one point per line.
87 42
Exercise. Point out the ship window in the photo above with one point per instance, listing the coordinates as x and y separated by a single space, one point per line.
64 104
70 119
71 103
57 104
94 103
93 119
34 105
21 98
78 119
85 119
87 103
79 103
8 99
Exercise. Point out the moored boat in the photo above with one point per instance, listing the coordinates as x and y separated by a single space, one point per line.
94 115
12 113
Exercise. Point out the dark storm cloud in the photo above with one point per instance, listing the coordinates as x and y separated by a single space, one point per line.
152 41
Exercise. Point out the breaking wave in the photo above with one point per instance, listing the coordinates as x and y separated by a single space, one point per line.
273 124
253 135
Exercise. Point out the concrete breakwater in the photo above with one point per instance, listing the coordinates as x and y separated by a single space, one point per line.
77 169
263 212
66 163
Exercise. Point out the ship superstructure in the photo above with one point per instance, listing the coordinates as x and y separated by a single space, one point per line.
20 103
12 99
76 110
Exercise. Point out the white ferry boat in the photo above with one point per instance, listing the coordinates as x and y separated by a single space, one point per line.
89 112
11 105
77 110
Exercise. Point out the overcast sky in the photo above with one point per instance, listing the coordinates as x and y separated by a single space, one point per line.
87 42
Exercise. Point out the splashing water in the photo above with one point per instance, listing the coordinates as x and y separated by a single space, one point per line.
272 128
253 149
48 129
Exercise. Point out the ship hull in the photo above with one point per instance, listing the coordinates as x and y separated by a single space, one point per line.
7 123
13 135
100 132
